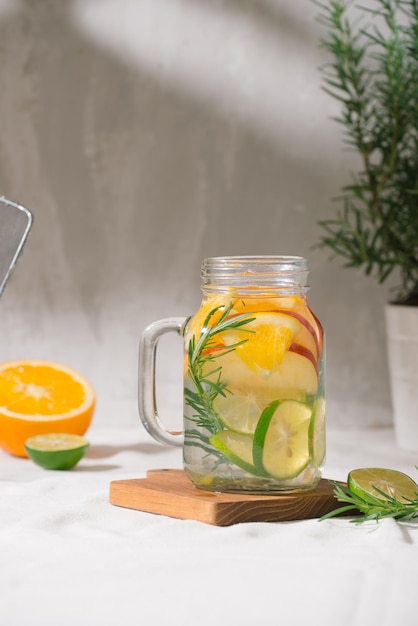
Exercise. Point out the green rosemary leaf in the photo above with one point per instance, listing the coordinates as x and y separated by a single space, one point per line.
199 407
236 322
206 448
191 347
339 511
211 372
192 395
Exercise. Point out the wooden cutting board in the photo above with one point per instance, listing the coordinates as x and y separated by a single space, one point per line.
170 492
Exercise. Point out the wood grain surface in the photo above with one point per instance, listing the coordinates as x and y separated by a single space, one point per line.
170 492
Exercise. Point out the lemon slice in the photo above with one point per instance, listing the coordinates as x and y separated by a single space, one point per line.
362 482
281 439
236 447
57 451
239 412
317 432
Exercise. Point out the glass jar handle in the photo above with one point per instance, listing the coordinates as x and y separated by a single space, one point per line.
147 403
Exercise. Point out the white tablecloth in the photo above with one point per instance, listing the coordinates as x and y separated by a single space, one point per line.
69 557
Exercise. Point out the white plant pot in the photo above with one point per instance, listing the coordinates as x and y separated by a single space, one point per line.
402 345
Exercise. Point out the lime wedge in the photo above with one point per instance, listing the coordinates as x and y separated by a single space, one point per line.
362 482
281 439
317 432
57 451
239 412
236 447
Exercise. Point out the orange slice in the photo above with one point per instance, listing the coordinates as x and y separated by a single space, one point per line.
265 340
39 397
217 304
259 303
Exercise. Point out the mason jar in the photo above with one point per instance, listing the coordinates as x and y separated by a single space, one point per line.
254 380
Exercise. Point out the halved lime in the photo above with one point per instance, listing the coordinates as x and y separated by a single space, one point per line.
398 485
317 432
57 451
281 439
239 412
236 447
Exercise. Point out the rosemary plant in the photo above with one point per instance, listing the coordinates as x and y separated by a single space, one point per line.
373 73
207 379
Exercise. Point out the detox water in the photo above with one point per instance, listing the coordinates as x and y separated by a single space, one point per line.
254 401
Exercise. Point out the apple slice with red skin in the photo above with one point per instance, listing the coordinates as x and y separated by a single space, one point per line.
320 330
317 333
308 335
303 351
297 374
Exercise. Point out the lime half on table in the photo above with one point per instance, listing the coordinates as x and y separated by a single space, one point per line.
367 483
56 451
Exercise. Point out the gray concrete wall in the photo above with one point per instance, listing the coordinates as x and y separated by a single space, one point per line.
145 135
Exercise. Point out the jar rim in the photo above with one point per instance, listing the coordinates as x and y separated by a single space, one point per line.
258 258
273 271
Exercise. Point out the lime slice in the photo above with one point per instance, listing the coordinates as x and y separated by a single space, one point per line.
57 451
317 432
281 439
239 412
362 482
236 447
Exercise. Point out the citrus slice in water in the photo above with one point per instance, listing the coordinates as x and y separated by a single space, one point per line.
210 310
239 411
281 439
39 397
236 447
258 303
317 432
265 340
56 451
398 485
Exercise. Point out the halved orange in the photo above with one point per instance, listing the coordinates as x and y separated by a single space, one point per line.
39 397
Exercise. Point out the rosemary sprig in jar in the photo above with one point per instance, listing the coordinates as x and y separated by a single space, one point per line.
207 380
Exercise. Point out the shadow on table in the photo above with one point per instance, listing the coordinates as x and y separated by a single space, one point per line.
96 468
106 451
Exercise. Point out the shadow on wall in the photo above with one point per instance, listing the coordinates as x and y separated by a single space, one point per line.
147 134
133 179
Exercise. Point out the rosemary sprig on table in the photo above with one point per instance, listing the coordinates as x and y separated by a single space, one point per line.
207 381
373 508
